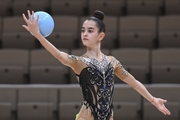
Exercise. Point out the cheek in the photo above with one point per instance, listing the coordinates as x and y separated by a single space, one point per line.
96 36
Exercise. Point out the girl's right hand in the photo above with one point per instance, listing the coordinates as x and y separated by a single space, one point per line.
32 23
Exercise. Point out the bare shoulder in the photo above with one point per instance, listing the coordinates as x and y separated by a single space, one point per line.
110 57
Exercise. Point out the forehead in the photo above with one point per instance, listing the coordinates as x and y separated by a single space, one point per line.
89 23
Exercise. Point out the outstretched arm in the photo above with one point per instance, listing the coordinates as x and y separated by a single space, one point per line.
32 26
140 88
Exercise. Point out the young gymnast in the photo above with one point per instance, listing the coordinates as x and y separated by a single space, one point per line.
94 69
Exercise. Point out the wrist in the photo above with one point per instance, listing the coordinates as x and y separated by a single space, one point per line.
152 100
37 34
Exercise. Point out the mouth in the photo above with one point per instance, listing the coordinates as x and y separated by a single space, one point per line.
85 39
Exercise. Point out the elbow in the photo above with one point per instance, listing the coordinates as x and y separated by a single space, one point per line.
58 56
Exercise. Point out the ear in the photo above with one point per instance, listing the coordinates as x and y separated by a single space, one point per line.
101 36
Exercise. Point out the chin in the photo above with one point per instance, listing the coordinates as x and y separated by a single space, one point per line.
85 44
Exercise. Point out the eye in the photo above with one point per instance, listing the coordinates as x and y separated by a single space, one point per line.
82 31
90 31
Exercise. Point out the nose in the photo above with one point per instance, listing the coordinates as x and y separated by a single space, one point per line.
85 33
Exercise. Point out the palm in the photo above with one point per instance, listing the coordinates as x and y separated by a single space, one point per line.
159 103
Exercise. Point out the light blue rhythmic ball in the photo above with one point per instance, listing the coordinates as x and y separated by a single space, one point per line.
46 23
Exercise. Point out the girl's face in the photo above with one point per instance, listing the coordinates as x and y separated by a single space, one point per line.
90 35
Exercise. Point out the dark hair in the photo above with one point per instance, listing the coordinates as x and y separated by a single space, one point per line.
98 17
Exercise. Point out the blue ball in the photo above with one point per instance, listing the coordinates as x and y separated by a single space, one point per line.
45 23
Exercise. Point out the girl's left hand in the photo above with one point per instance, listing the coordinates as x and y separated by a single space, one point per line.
160 105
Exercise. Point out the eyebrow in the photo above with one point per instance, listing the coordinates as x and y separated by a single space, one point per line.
88 28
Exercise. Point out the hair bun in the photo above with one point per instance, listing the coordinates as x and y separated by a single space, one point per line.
99 14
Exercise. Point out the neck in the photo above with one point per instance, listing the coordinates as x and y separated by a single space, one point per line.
94 53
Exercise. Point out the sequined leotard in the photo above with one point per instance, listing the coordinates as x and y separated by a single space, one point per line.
97 83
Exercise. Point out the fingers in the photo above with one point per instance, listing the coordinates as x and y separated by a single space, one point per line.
26 20
25 27
32 15
29 15
164 101
164 109
161 106
163 112
31 19
37 19
166 112
24 17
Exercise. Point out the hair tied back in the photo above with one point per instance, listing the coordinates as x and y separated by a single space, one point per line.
98 14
